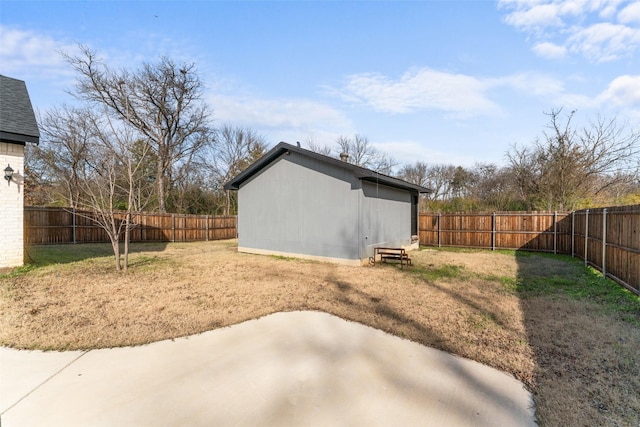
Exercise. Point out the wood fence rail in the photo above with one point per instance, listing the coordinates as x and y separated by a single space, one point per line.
612 236
46 226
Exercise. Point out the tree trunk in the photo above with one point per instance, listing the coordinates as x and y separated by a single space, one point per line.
127 232
116 251
161 189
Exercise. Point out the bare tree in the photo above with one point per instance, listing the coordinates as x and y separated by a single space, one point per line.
37 186
98 165
525 175
568 166
493 187
312 145
109 182
163 101
417 173
362 153
440 177
437 177
66 136
484 186
461 182
236 148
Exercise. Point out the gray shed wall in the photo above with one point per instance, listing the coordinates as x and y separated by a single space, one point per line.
298 205
385 217
301 206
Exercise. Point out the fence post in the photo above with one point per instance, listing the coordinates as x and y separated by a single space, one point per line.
555 232
573 233
586 236
173 228
604 242
493 231
73 220
206 228
439 218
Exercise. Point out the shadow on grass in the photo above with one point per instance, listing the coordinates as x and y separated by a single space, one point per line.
359 301
43 255
359 304
584 332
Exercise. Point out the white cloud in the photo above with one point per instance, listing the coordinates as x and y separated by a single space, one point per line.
605 41
622 91
548 89
459 94
419 90
533 84
630 14
408 152
549 50
607 8
585 27
289 119
28 53
534 16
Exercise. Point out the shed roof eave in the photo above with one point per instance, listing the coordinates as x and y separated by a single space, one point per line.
360 172
393 182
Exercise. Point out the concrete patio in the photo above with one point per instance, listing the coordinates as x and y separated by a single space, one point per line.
298 368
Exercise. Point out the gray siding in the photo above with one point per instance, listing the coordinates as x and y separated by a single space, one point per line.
385 217
299 205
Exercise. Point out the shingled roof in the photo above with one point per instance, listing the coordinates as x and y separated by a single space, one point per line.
17 121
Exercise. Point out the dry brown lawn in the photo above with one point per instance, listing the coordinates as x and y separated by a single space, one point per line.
578 356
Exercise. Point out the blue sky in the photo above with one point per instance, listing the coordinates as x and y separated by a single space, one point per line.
454 82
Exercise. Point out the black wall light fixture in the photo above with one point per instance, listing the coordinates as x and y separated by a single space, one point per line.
8 174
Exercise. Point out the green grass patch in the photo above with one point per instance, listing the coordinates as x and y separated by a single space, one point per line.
452 249
507 284
567 275
63 254
44 255
442 272
94 256
18 271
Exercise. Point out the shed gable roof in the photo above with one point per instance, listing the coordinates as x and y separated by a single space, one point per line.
359 172
17 120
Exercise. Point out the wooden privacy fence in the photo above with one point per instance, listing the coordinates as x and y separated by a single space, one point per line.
608 238
536 231
45 226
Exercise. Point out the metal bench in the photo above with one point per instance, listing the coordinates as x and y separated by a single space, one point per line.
394 254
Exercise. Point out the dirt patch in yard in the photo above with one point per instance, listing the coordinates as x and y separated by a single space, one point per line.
488 306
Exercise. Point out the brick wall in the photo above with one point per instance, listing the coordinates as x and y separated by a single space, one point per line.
11 206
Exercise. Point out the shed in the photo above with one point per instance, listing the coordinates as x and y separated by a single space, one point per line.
295 202
17 127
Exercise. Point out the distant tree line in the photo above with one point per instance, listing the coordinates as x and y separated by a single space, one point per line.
144 139
566 169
